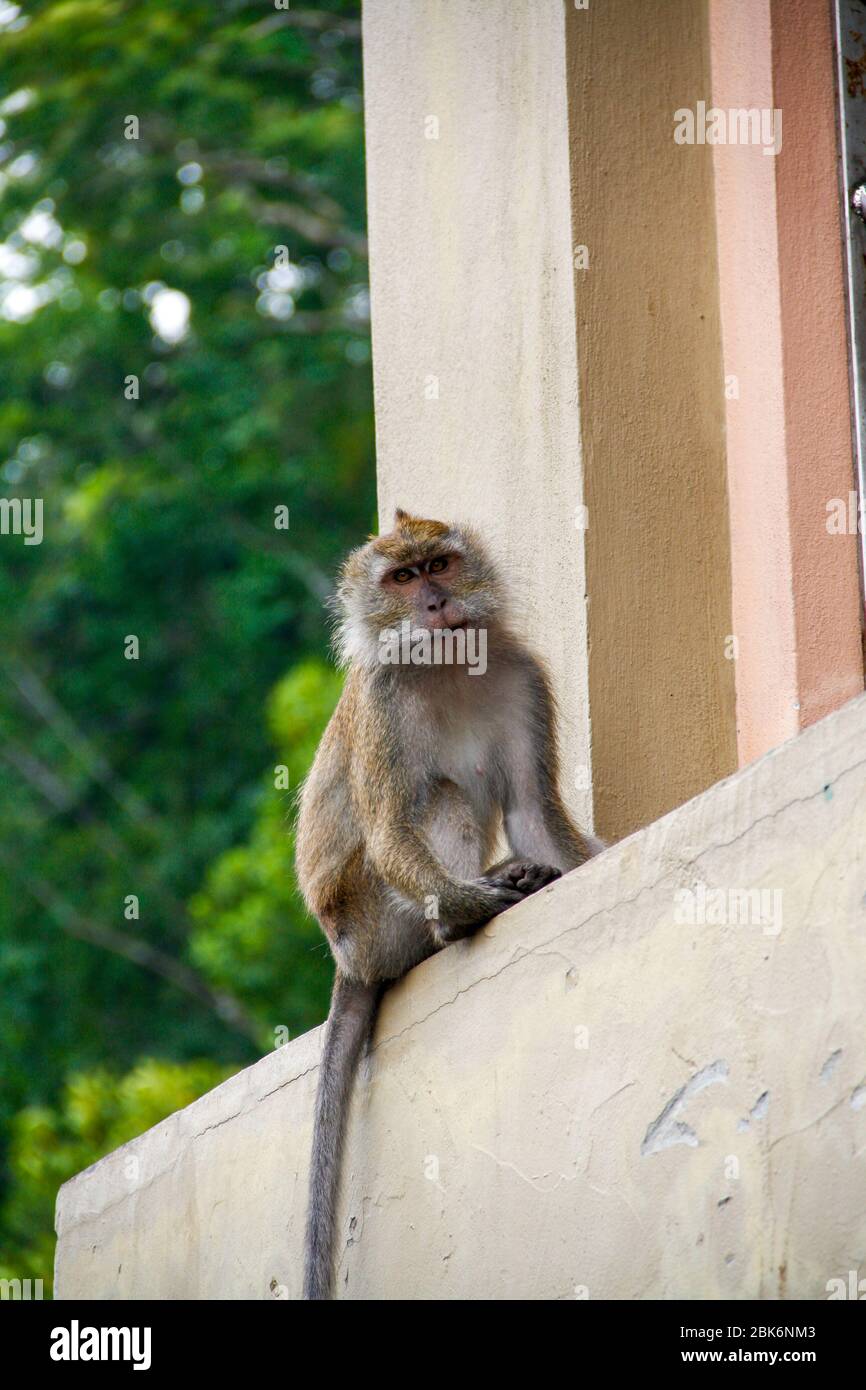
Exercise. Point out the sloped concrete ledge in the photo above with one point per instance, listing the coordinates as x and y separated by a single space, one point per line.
593 1098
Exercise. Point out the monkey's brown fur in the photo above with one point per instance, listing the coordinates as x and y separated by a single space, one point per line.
419 770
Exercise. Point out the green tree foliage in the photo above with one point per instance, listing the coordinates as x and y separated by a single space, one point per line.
96 1112
185 362
252 935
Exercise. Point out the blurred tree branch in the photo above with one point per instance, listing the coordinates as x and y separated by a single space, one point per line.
316 20
133 949
39 698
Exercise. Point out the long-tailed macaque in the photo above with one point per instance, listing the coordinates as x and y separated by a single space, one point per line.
423 764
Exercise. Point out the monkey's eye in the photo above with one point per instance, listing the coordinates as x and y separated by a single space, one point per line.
402 576
438 565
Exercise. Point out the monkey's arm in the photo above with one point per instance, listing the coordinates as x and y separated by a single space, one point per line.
538 827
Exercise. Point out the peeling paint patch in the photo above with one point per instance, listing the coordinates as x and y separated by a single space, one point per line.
830 1065
858 1096
667 1130
757 1112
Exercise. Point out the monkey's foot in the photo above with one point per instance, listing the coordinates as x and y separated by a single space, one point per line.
525 877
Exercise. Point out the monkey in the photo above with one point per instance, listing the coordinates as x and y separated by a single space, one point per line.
422 766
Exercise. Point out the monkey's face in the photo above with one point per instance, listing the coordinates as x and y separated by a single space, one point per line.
427 592
423 572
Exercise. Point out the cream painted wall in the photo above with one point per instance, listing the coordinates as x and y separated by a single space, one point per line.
591 1095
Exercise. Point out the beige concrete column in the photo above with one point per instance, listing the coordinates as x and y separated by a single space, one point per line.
474 341
514 386
649 346
796 603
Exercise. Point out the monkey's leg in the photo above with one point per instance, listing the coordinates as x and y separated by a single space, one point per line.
453 832
353 1008
538 827
456 836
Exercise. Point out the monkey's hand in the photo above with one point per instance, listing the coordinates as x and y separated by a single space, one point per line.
526 878
478 901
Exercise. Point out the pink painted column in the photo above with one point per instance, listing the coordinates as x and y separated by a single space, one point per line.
795 585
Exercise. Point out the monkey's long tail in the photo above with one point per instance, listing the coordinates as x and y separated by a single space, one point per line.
353 1008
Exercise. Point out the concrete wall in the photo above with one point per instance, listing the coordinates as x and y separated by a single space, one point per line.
474 339
571 310
590 1096
652 411
546 338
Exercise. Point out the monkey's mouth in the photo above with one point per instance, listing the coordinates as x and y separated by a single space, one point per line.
442 624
